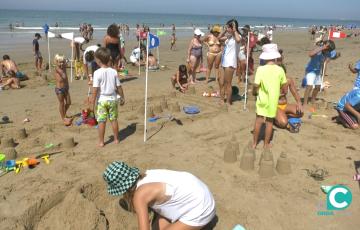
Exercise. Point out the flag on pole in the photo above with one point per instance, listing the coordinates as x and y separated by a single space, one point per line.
69 36
154 41
51 35
337 34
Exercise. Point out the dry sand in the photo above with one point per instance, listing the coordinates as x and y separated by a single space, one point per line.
69 193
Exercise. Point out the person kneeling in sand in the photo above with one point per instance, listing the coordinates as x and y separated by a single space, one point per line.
180 200
180 78
348 108
62 88
135 56
8 65
285 109
13 82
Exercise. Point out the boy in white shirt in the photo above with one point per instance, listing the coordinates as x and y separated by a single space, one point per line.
106 88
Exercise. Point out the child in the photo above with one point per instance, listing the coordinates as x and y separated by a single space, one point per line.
106 86
62 87
181 78
349 109
356 69
180 199
172 41
37 54
268 81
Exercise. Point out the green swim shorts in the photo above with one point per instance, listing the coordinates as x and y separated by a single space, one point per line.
107 110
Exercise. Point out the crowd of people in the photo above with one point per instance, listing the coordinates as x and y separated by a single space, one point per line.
229 53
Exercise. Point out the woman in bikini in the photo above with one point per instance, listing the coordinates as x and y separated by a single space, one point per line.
62 88
194 54
180 78
112 42
214 53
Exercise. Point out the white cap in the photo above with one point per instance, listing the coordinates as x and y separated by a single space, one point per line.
198 32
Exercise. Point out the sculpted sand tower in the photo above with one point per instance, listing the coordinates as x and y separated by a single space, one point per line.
230 155
266 165
69 143
247 161
7 142
283 165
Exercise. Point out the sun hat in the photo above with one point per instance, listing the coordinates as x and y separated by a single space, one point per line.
216 29
269 52
120 177
198 32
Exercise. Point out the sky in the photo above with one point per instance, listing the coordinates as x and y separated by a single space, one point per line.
313 9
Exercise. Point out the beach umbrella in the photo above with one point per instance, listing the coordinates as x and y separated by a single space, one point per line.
70 36
152 42
50 35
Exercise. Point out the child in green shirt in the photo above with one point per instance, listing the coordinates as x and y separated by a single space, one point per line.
268 81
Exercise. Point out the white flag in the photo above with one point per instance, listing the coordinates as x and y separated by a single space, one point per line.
51 35
79 40
69 36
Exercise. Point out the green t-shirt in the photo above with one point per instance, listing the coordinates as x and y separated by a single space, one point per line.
269 78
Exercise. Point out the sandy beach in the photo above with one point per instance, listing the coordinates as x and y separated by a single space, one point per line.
69 193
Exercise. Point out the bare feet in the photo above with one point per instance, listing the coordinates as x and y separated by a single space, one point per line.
101 144
268 146
116 141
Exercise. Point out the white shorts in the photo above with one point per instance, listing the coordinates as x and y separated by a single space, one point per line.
313 79
133 59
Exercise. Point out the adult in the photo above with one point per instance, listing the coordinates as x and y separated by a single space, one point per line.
194 54
232 39
46 30
286 109
179 199
37 53
214 52
8 65
112 42
269 34
13 82
348 108
314 69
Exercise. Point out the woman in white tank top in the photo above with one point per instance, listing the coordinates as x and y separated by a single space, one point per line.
229 58
180 199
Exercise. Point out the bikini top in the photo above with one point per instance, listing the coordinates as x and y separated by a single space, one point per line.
211 43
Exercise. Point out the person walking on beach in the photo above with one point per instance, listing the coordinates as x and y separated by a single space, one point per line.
172 41
269 79
232 39
194 54
37 53
62 88
106 88
180 200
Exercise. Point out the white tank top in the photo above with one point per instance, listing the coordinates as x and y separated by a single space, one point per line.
188 195
230 54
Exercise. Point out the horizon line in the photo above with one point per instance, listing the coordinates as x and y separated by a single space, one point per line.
193 14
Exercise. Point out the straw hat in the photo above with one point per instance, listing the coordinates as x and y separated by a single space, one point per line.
269 52
198 32
120 177
216 29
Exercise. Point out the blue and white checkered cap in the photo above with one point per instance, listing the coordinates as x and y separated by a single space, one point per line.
120 177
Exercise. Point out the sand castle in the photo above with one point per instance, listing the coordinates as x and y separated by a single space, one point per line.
247 161
230 155
21 134
7 143
283 165
266 169
68 143
175 108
